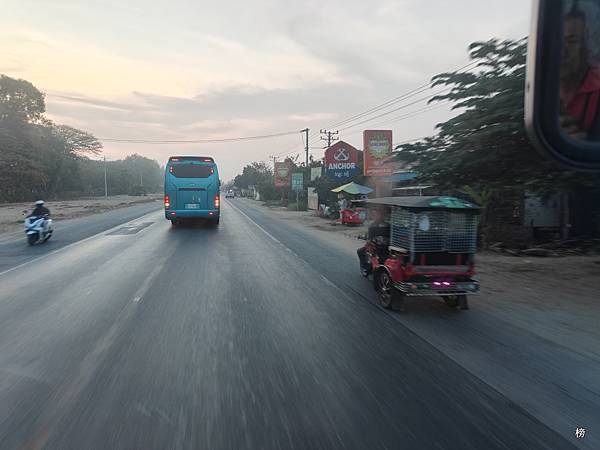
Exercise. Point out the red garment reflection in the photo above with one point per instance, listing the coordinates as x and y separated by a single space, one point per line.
583 104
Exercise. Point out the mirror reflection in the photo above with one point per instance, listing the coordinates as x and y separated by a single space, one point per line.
580 71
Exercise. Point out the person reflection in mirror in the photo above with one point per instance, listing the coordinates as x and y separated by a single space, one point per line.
580 80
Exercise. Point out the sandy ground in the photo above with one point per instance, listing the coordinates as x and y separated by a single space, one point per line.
554 297
11 214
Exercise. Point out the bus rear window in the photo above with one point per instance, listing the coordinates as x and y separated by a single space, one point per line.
191 170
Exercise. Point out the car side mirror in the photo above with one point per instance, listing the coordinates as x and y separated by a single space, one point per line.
562 93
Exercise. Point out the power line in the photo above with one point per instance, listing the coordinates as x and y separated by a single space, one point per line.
404 96
199 141
400 118
427 97
387 104
405 116
291 149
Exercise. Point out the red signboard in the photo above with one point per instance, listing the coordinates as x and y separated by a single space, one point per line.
377 147
283 174
341 161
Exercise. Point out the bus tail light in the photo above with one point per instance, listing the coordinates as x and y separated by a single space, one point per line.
167 202
217 201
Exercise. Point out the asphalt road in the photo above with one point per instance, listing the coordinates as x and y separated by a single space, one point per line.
12 251
152 337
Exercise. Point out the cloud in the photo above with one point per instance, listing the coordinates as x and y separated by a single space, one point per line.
93 102
192 69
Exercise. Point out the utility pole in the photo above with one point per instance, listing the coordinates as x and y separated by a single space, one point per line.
307 169
329 136
105 183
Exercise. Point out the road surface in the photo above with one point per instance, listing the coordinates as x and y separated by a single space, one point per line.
152 337
70 231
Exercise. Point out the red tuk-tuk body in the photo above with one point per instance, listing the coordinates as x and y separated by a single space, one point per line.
430 251
355 216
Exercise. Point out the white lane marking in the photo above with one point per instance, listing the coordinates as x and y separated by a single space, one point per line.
146 284
328 281
259 227
72 244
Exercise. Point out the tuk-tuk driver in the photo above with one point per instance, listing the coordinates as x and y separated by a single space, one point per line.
379 230
378 234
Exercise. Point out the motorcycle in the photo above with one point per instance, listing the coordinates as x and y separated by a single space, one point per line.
38 229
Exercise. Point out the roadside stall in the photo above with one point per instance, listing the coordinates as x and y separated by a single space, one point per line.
350 214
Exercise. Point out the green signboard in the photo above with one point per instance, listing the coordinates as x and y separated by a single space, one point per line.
297 182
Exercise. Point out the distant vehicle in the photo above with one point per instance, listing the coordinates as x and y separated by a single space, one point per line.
230 194
192 189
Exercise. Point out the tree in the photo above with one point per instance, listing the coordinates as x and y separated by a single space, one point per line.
77 142
486 143
37 157
20 100
253 174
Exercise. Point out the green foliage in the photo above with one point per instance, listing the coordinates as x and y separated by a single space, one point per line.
20 100
42 159
254 174
259 175
78 143
134 175
480 196
485 144
268 191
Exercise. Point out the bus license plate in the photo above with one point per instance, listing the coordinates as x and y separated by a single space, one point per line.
192 206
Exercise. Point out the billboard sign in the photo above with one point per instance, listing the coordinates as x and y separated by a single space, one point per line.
341 161
297 182
378 153
282 174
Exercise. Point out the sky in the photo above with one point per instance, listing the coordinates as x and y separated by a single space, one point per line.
191 69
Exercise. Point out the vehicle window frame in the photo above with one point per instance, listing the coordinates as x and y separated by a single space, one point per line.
542 99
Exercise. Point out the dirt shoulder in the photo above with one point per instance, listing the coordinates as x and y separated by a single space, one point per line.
310 219
11 214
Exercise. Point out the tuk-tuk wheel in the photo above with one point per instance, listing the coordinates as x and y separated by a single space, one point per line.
451 300
463 302
385 289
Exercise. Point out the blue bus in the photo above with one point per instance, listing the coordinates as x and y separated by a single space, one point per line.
192 189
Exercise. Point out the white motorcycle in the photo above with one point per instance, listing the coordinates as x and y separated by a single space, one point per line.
38 229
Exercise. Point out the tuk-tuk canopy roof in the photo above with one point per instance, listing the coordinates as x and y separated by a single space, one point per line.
353 188
424 202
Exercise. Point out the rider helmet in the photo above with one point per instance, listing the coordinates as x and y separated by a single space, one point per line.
39 203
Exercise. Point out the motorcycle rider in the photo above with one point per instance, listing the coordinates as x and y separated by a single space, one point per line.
40 210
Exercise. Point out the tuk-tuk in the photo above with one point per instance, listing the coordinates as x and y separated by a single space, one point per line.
430 250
